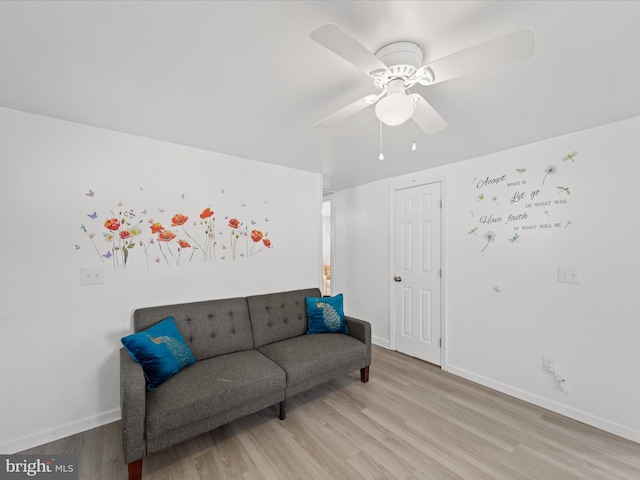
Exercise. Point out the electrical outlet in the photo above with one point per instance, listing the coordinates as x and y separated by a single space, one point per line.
549 363
91 275
569 275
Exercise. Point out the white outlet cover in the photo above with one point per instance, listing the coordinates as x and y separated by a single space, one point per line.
569 275
91 276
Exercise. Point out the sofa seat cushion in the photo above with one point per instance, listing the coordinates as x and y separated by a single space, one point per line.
210 387
317 355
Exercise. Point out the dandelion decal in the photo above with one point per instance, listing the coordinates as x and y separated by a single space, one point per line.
551 169
495 200
490 236
568 223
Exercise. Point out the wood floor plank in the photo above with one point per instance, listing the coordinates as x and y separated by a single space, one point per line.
411 421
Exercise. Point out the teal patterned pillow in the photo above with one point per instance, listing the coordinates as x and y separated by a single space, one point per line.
160 350
326 315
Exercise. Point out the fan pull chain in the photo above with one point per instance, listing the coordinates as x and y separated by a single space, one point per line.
381 156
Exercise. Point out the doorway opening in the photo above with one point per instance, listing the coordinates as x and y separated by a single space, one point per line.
326 247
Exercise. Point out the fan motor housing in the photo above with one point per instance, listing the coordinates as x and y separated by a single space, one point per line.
403 60
401 53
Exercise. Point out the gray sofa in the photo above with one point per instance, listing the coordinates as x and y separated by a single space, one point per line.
251 353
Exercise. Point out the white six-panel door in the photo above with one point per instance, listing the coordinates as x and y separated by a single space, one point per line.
417 277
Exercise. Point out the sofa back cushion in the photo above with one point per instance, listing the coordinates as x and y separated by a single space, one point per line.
210 328
278 316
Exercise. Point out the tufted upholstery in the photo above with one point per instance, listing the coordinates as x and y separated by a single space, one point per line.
278 316
251 353
210 328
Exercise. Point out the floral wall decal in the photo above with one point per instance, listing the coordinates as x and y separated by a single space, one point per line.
129 237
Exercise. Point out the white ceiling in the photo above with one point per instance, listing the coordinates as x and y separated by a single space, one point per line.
244 78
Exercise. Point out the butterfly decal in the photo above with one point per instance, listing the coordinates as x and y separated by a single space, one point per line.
90 193
144 212
161 210
107 255
521 170
253 222
120 203
182 196
266 219
158 260
77 246
93 215
515 238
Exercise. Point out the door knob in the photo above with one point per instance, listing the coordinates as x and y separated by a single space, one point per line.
397 278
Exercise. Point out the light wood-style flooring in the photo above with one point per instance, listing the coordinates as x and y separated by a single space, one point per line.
411 421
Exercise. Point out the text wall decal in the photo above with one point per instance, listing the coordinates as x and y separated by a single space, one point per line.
514 204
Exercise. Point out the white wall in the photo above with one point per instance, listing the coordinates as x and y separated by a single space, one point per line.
59 343
498 339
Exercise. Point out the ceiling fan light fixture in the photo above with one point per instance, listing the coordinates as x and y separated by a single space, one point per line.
395 109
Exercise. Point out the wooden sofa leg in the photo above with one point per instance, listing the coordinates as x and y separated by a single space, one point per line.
135 470
283 409
364 374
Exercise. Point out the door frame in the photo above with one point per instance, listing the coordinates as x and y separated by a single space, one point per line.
402 185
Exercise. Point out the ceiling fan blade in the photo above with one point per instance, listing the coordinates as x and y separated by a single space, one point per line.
426 116
339 42
347 111
515 46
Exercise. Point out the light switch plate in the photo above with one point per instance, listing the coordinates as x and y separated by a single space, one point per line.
91 275
569 275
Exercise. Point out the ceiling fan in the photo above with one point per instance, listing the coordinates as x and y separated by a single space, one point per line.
399 66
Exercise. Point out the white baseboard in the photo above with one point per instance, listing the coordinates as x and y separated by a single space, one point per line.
579 415
46 436
383 342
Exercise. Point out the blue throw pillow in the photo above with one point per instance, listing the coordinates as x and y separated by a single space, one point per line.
326 315
160 350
